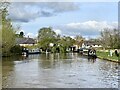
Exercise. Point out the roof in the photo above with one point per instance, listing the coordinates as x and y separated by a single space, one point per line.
25 41
91 42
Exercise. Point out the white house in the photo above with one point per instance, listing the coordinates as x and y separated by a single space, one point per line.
25 41
89 43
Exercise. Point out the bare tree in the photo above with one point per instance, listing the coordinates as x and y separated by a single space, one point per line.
110 38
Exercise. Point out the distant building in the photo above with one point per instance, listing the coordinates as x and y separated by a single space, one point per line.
89 43
25 41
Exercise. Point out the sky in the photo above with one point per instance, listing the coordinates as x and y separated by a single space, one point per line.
65 18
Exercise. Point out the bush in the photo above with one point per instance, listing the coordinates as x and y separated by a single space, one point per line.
17 49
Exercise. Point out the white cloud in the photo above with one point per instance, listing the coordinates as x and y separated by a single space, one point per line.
58 31
72 37
36 35
22 13
31 35
27 34
92 25
89 29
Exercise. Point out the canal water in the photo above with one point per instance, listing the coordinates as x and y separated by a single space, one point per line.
69 70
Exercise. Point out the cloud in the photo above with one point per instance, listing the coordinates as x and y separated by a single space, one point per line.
58 31
26 34
86 29
22 13
27 11
45 14
92 25
62 6
31 35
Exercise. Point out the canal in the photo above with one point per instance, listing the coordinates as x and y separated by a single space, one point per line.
69 70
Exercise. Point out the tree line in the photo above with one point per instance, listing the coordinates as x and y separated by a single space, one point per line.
110 38
47 36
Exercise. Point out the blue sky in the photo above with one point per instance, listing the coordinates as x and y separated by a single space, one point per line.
66 18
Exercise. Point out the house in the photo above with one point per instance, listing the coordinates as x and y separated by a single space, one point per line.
88 43
25 41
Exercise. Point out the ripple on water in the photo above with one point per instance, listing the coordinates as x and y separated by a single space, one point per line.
70 70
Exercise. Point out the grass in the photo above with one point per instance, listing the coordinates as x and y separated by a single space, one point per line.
105 55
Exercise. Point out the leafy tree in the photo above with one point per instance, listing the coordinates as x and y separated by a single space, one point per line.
65 43
16 49
8 34
21 34
0 41
45 37
79 40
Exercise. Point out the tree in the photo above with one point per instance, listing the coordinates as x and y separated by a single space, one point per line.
110 38
45 37
0 42
21 34
3 5
116 38
65 43
8 34
105 38
17 49
79 41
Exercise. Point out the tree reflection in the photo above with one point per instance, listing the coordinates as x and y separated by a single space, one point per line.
52 60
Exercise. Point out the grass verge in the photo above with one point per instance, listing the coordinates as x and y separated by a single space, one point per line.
106 56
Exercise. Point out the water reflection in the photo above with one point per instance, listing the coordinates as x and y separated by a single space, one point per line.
91 60
53 60
59 71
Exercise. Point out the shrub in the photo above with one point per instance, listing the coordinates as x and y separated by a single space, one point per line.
17 49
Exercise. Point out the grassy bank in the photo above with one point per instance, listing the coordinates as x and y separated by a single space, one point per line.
106 56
